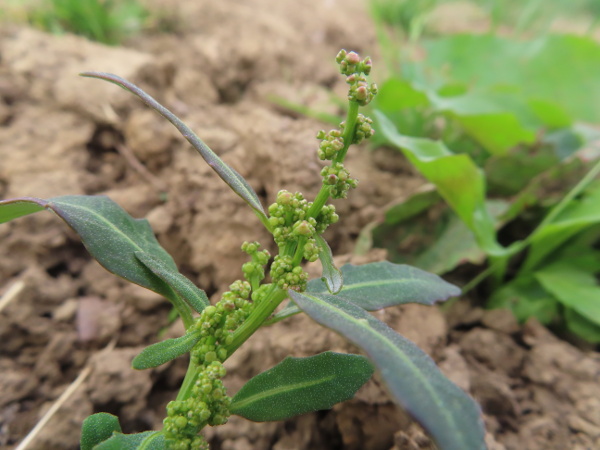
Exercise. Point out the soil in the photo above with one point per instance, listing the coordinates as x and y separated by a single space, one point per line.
62 314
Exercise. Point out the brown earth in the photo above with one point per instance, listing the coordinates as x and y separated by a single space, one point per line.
62 314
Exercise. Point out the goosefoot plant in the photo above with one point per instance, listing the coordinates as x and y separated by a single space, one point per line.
340 300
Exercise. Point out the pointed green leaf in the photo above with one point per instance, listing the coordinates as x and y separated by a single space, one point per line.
380 285
526 298
331 275
113 237
300 385
235 181
147 440
458 180
451 417
19 207
194 296
573 286
576 217
165 351
98 428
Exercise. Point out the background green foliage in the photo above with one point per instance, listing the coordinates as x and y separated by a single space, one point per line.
106 21
505 128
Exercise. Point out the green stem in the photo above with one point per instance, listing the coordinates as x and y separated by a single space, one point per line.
185 390
320 201
264 309
349 130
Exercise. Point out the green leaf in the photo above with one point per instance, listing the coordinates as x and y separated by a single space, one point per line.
497 120
301 385
574 287
450 416
112 237
235 181
582 327
331 275
411 207
147 440
19 207
560 69
380 285
576 217
454 246
396 93
526 298
98 428
194 296
459 181
165 351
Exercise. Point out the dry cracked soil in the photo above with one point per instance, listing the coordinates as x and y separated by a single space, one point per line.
62 314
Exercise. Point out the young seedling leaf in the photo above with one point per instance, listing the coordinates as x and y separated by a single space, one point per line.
450 416
300 385
458 180
98 428
380 285
165 351
19 207
147 440
194 296
331 275
235 181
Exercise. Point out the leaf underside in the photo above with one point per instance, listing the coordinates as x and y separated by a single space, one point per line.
113 238
380 285
449 415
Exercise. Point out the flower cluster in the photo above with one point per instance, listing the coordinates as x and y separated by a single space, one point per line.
208 405
331 143
351 65
339 179
288 276
363 129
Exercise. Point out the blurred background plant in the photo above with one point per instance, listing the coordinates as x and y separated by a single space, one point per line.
106 21
505 126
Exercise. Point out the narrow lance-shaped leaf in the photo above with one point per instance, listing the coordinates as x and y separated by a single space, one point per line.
19 207
165 351
380 285
332 276
98 428
193 296
111 236
237 183
450 416
300 385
